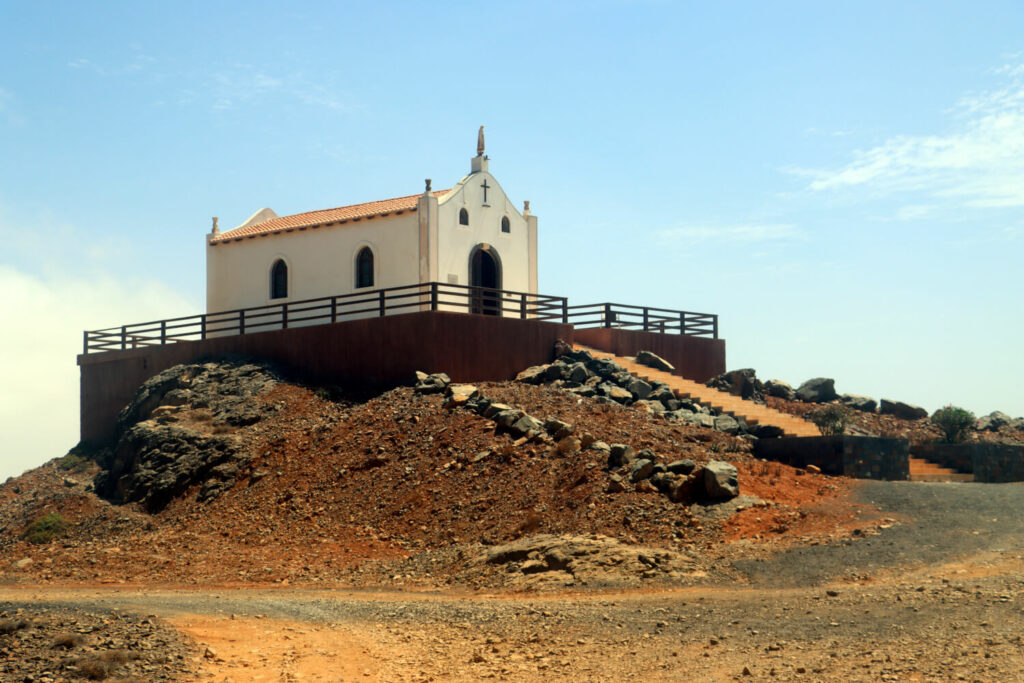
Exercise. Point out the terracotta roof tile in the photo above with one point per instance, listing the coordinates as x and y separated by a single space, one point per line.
315 219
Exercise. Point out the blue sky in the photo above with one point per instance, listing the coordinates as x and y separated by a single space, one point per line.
843 183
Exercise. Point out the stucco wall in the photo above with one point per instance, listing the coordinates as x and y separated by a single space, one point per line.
456 242
321 261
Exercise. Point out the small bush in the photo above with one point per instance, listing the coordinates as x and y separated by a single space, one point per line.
832 420
8 626
72 461
68 640
954 423
45 529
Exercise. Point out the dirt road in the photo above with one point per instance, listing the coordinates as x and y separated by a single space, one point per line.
935 597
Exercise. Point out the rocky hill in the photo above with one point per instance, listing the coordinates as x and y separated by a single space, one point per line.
225 472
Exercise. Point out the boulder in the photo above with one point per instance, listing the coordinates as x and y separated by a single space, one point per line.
655 361
742 383
620 454
681 466
662 394
555 371
865 404
467 390
495 408
507 418
699 419
779 389
994 421
602 367
727 424
721 480
655 407
431 384
617 394
903 410
532 375
527 424
557 428
641 468
817 390
615 484
763 431
639 389
578 373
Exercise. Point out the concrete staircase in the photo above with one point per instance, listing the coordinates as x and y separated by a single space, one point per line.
925 470
750 412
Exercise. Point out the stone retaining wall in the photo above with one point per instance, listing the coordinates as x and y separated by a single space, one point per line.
862 457
988 462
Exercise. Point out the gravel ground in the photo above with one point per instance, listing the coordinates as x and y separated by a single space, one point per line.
936 597
938 521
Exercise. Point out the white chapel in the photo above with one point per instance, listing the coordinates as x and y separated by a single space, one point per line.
470 234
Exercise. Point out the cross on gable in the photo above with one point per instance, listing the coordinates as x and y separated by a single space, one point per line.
485 186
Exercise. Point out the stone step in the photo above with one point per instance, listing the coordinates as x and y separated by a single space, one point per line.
926 470
748 411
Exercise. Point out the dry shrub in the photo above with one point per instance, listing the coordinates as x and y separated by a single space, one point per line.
530 524
101 665
68 640
12 625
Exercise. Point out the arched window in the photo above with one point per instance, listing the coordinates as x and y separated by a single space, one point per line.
364 268
463 217
505 225
279 280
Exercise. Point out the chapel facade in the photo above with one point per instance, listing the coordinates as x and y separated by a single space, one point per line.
470 234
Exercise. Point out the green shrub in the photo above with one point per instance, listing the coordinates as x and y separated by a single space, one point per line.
954 423
832 420
45 529
72 461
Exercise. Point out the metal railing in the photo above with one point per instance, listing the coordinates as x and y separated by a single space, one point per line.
428 296
646 318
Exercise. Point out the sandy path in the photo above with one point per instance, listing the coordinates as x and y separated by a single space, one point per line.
250 649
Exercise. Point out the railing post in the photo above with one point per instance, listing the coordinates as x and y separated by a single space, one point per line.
202 326
284 316
124 337
522 306
433 296
334 309
85 342
382 303
645 319
241 321
682 322
607 315
714 326
565 310
163 332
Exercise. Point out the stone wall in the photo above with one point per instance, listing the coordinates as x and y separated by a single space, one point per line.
988 462
995 462
863 457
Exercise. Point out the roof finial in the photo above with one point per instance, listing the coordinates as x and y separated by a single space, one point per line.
216 230
427 190
480 142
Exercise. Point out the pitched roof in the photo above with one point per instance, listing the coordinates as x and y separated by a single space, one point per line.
323 217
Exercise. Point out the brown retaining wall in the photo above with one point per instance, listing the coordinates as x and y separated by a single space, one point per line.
695 358
376 352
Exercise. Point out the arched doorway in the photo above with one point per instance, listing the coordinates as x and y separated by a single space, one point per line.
485 274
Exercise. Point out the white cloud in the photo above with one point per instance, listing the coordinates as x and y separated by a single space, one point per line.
743 234
42 336
979 164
